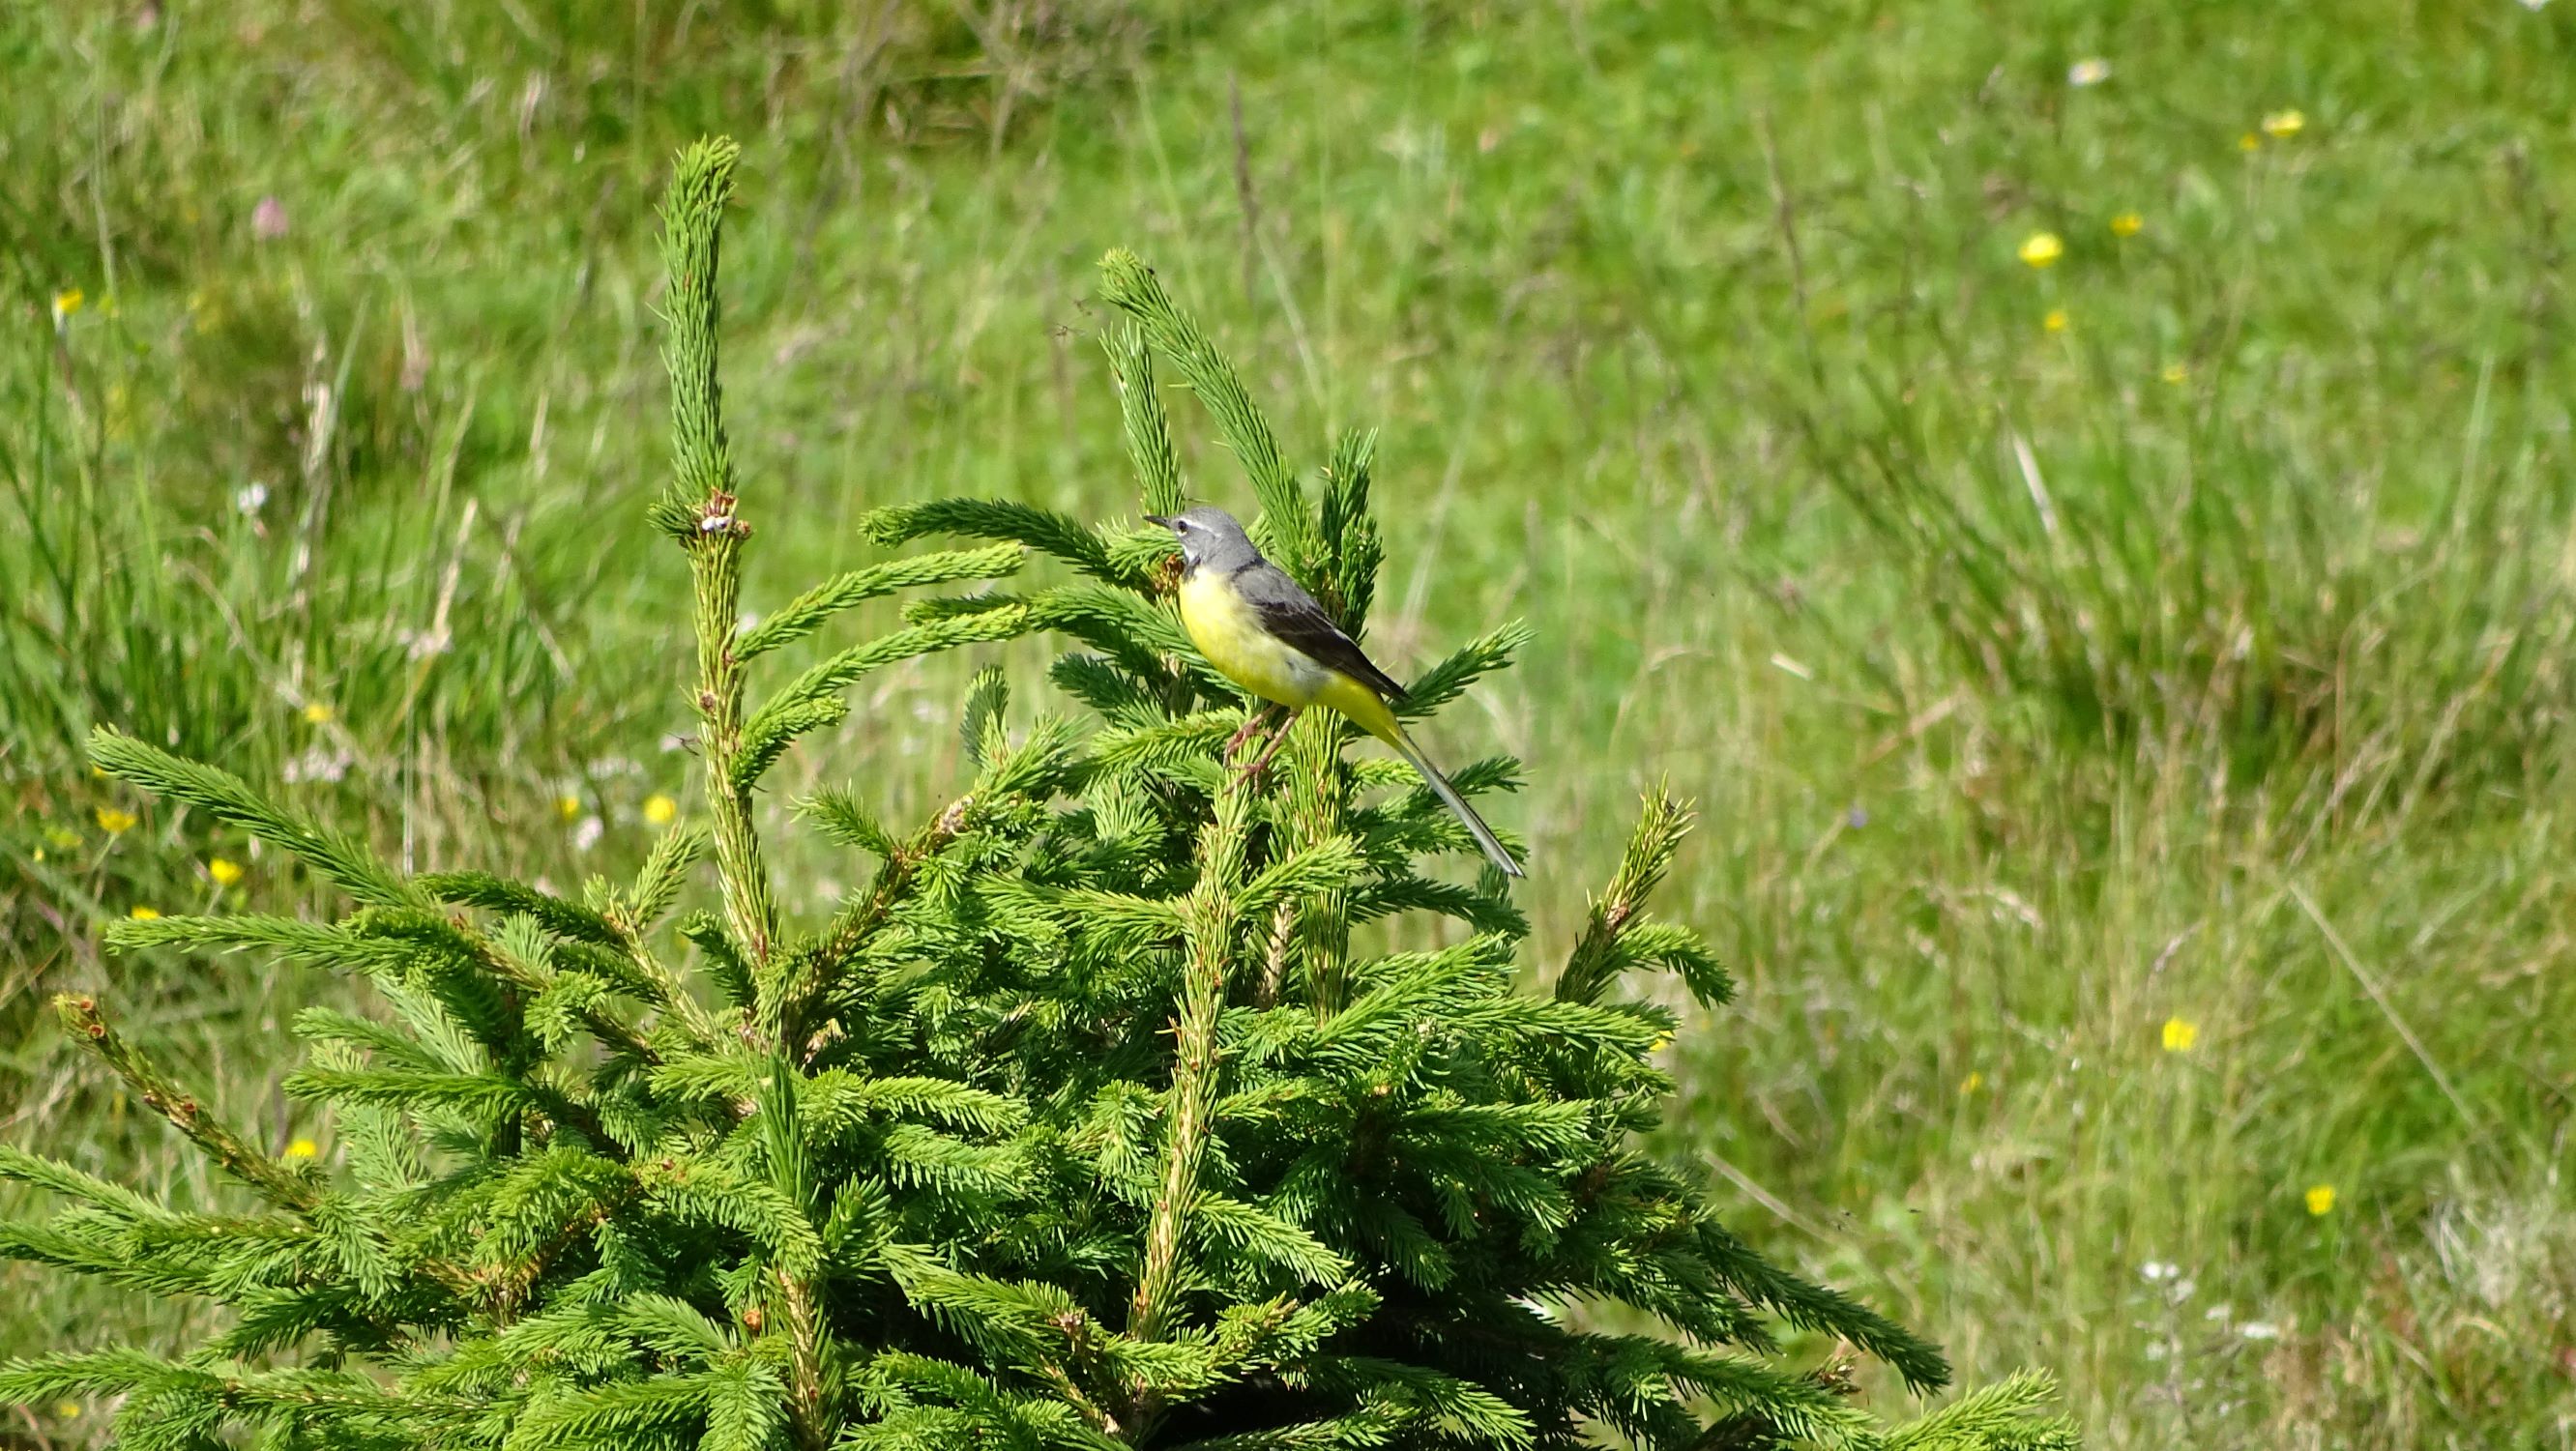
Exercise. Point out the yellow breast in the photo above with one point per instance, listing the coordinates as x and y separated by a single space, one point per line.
1230 635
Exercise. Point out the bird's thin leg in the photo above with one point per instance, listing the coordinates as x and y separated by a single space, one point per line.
1243 732
1278 739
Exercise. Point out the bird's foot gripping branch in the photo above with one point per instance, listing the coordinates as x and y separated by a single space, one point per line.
1086 1124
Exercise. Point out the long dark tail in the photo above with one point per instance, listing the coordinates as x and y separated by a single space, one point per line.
1457 804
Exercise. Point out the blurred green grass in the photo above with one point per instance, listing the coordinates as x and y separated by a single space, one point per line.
2202 659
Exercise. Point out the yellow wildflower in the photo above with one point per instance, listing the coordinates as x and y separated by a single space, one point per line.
568 806
303 1149
67 302
661 810
61 838
2180 1034
2128 224
2321 1199
1972 1082
224 871
2175 373
144 914
2249 142
2055 321
115 822
1662 1042
67 1410
2282 125
318 713
2040 249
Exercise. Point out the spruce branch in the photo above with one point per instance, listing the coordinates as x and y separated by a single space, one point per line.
71 1183
724 964
338 858
837 1099
1166 749
701 510
2010 1415
981 729
657 884
709 1193
1328 865
737 753
626 1413
331 946
1132 287
1059 535
692 230
465 962
1615 934
1209 932
1815 1307
808 701
801 616
275 1181
856 923
1148 430
1249 1230
1279 947
1353 547
775 729
611 945
1388 894
1125 626
839 816
1449 679
410 1083
499 894
298 1392
79 1373
791 1174
1318 804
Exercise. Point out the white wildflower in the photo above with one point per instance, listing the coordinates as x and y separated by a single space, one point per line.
320 763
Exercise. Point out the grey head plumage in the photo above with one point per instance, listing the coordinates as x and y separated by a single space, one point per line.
1210 539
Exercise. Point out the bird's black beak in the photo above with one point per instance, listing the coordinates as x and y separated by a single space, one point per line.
1159 519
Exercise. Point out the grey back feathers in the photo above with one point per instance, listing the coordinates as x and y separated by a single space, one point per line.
1291 614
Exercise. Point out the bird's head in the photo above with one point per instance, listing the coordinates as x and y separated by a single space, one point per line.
1210 539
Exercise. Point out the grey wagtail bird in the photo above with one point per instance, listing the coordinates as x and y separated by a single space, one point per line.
1261 630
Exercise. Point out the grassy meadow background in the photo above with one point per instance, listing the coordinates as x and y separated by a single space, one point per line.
2128 697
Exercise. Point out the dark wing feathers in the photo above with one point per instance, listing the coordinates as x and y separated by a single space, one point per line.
1287 611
